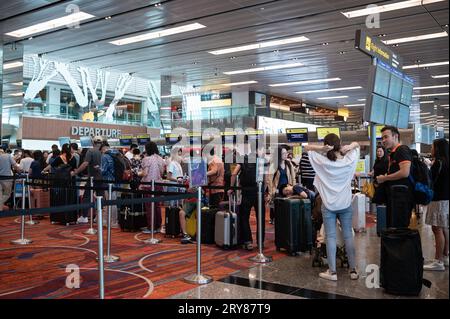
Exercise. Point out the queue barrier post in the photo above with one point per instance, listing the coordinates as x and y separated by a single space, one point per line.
109 258
152 240
91 230
31 221
22 240
101 269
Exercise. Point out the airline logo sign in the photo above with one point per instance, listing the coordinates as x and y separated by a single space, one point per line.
375 48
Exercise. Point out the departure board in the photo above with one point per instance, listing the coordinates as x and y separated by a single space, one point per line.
378 109
382 79
395 88
403 116
391 113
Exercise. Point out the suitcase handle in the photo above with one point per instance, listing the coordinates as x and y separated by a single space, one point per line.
234 203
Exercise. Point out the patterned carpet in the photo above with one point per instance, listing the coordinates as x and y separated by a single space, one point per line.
144 271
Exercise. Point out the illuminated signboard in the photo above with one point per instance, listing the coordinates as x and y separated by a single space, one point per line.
297 135
125 140
228 137
375 48
172 138
377 131
195 137
324 131
143 139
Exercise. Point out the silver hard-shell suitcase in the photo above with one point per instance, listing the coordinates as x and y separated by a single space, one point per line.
225 233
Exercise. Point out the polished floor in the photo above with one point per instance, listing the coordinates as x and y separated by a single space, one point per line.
40 270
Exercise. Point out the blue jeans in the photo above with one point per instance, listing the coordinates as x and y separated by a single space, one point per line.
329 220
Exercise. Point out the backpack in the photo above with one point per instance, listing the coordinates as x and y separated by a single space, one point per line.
121 169
247 177
420 178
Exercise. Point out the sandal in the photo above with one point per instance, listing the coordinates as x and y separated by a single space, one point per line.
248 246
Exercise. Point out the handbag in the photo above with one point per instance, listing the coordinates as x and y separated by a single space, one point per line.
368 189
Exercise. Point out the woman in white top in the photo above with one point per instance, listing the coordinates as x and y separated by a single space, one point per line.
335 166
175 172
26 161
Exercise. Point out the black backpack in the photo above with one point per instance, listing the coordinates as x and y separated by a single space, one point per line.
420 177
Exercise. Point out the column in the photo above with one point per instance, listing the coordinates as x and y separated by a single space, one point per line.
54 100
166 103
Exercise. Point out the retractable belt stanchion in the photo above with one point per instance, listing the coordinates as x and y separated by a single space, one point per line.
22 240
260 258
198 278
110 258
91 230
101 270
152 240
31 221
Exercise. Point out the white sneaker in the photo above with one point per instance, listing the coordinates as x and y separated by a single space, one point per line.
446 261
328 275
435 265
82 220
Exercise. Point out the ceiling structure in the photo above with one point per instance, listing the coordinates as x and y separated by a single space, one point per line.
328 53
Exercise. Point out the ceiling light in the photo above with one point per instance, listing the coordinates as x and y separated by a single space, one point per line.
387 7
16 94
259 45
361 100
362 104
12 65
417 38
158 34
333 97
444 105
8 106
266 68
415 66
51 24
431 87
17 83
434 94
240 83
331 90
305 82
426 102
442 76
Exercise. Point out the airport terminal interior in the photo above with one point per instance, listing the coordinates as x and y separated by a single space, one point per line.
130 127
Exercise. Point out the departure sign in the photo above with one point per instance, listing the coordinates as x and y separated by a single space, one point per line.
324 131
143 139
375 48
297 135
125 140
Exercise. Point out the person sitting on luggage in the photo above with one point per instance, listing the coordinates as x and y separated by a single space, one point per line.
288 190
335 166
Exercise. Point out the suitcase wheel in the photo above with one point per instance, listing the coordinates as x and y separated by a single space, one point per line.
292 253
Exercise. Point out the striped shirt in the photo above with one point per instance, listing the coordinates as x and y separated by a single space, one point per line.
306 170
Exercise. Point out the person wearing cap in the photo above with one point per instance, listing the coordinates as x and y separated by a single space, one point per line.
92 161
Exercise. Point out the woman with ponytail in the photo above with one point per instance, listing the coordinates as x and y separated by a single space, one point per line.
335 166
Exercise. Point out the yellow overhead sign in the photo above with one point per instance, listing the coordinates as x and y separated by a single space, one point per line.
324 131
296 130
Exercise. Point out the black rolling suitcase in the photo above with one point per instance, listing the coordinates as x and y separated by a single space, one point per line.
287 225
172 222
401 265
132 216
399 206
306 235
208 225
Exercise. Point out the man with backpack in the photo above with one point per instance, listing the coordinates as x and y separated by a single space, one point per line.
400 161
247 179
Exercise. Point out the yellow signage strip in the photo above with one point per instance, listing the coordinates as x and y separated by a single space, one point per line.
296 130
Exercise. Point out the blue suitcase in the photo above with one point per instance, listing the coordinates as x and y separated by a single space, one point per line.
381 219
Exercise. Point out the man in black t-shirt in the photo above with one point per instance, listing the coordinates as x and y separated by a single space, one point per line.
399 168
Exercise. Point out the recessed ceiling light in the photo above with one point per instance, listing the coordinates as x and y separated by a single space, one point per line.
426 102
361 104
361 100
158 34
342 52
331 90
51 24
431 87
325 43
433 94
416 38
333 97
387 7
17 83
442 76
305 82
259 45
12 65
418 65
266 68
240 83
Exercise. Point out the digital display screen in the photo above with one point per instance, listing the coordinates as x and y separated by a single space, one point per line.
378 109
382 78
324 131
395 88
298 135
172 139
85 142
126 140
64 140
407 93
391 113
377 131
143 139
403 116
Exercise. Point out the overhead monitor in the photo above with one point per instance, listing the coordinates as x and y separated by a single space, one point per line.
86 142
195 138
228 137
395 87
391 113
382 78
143 139
297 135
324 131
172 139
377 109
64 140
126 140
377 131
407 92
403 116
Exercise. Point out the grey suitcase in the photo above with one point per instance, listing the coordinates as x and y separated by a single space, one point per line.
225 232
